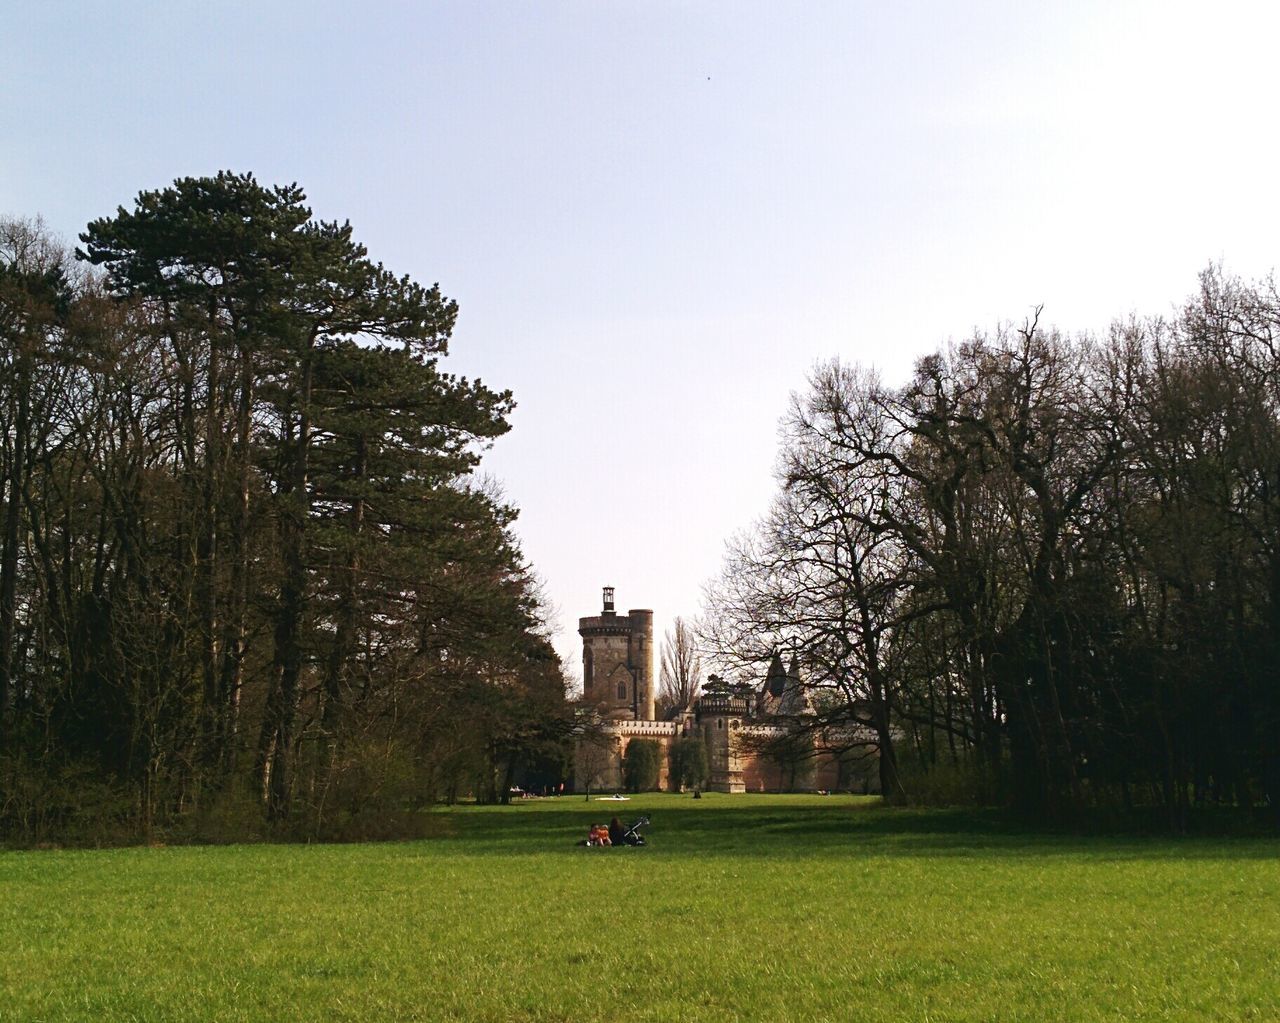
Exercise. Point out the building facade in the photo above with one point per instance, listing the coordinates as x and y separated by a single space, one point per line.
756 736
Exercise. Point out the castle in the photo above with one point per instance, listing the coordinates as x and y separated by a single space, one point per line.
754 735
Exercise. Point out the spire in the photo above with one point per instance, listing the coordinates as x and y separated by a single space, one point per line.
795 700
776 679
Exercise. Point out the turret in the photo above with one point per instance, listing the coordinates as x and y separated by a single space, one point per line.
617 661
722 708
642 661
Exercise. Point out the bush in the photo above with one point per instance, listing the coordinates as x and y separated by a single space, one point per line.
47 801
374 793
231 815
968 783
688 764
641 764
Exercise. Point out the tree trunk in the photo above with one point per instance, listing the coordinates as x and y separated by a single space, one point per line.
9 557
234 641
207 569
287 661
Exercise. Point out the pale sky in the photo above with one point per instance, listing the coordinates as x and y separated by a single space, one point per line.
657 216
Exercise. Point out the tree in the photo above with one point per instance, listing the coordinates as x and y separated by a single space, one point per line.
994 453
681 668
688 763
594 757
240 273
36 295
1046 562
218 264
641 764
238 500
818 577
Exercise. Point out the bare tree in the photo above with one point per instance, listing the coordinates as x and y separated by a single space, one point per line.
596 760
819 578
681 667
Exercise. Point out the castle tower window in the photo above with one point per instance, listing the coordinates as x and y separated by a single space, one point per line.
608 600
622 690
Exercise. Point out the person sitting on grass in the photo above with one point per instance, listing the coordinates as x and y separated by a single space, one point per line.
599 835
617 833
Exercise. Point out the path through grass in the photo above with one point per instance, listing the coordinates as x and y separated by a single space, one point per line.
742 908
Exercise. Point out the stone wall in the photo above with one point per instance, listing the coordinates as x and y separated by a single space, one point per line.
604 761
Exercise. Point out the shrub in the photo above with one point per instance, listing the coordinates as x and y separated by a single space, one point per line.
968 783
688 763
50 801
640 765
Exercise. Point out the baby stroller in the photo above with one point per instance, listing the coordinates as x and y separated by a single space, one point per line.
632 835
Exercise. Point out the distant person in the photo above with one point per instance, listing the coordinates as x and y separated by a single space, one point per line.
617 833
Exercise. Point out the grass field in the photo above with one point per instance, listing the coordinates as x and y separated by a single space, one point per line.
742 908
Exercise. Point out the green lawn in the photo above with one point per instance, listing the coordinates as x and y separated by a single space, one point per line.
743 907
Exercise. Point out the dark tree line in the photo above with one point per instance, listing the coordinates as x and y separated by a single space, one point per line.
1047 566
245 566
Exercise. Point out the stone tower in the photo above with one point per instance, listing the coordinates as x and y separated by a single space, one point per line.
617 661
723 711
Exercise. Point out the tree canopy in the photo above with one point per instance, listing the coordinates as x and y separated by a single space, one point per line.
245 555
1045 564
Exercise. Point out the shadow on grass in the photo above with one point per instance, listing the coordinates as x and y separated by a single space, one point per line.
740 826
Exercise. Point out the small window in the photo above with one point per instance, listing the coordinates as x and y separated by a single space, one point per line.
719 722
622 690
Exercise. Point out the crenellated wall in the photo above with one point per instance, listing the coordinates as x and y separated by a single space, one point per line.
734 765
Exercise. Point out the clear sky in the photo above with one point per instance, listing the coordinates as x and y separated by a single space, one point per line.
657 216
